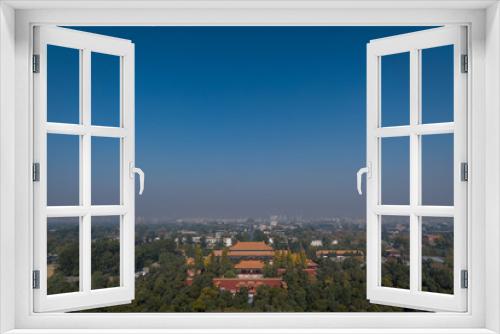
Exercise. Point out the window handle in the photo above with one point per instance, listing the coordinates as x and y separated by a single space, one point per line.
141 175
368 171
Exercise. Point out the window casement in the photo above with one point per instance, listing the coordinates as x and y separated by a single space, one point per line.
84 296
416 44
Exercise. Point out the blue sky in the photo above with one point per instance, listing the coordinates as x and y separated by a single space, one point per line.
250 121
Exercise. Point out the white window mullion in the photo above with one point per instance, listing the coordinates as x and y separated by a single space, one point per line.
80 130
373 271
86 167
414 167
127 122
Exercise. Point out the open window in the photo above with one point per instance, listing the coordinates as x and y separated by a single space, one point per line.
416 205
75 132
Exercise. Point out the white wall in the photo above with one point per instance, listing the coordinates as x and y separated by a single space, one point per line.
492 170
7 164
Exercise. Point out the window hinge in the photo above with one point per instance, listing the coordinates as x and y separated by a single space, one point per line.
465 64
464 168
36 279
36 172
36 63
465 279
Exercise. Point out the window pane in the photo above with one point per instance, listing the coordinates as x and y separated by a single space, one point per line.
395 168
63 170
63 255
63 85
437 254
105 171
395 94
105 236
105 90
437 84
437 169
395 251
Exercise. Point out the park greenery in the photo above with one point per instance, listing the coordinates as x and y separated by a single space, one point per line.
338 286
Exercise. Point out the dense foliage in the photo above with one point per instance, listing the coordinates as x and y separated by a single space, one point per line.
161 279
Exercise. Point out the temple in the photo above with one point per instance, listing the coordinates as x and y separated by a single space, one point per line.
250 259
249 251
235 284
249 269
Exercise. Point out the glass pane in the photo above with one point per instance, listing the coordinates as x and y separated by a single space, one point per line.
105 259
105 171
437 169
105 90
395 231
63 85
63 170
63 255
437 84
395 168
437 254
395 90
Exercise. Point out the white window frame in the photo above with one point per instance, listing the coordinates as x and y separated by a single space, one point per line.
85 43
16 125
414 43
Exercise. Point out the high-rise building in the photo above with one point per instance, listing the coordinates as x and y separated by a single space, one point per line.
274 220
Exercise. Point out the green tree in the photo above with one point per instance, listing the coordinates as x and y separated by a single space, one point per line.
303 259
225 264
229 274
198 258
68 260
240 300
277 259
269 271
289 259
98 280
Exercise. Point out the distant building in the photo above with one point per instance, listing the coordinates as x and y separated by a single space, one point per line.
434 258
249 269
211 241
432 238
279 233
391 252
317 243
249 251
220 233
339 252
183 240
311 268
228 242
143 272
273 220
191 271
